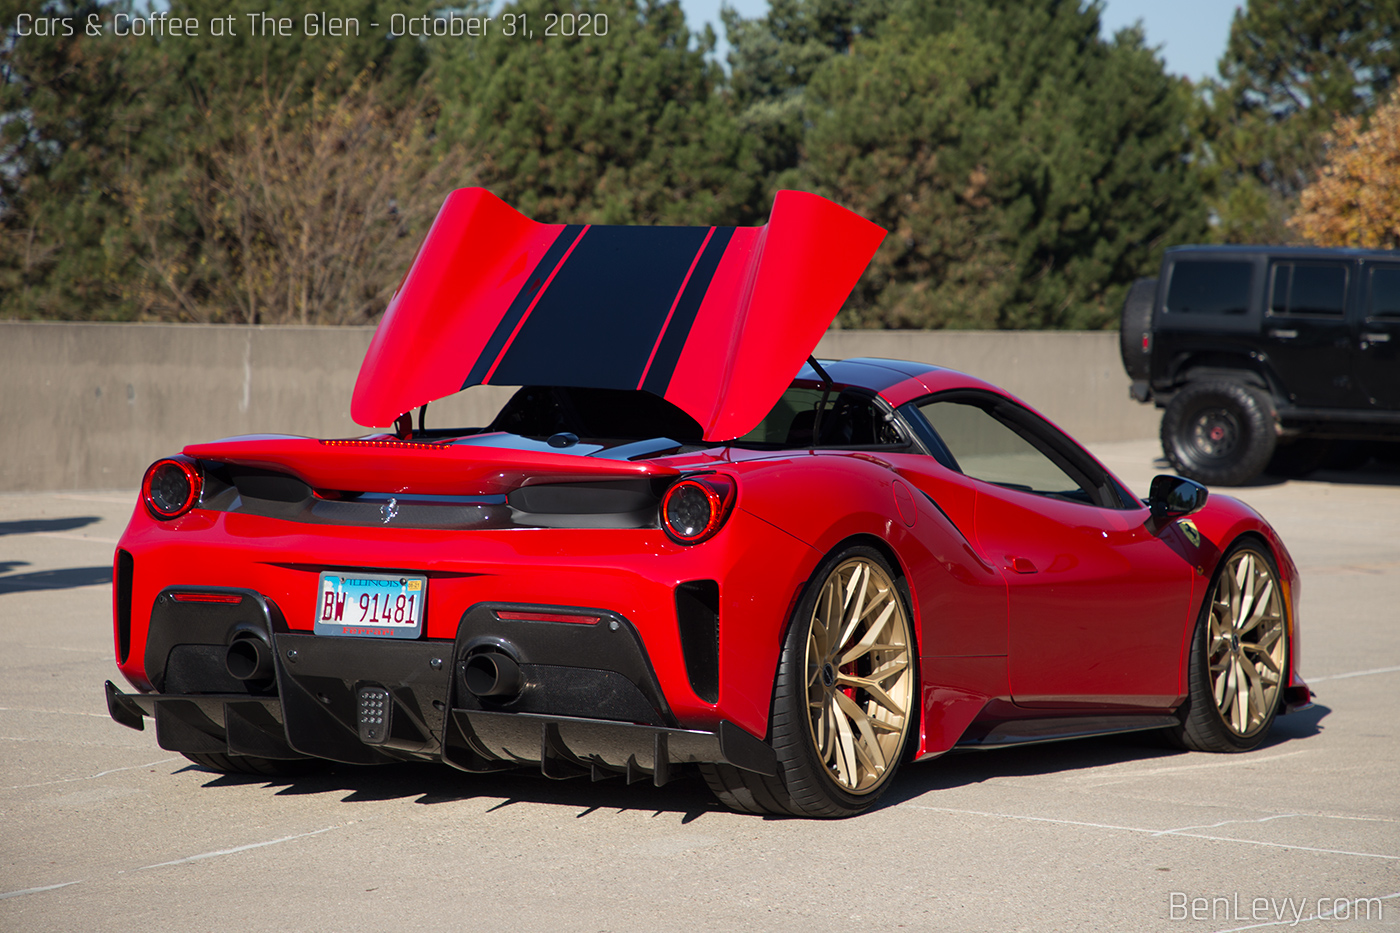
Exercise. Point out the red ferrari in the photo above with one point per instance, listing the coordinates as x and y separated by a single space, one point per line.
680 544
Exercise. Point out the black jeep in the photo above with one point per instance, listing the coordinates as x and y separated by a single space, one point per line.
1263 356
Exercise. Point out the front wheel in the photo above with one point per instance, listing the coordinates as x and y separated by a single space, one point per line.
1239 656
844 698
1219 433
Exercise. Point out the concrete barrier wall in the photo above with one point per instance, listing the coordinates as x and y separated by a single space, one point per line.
89 406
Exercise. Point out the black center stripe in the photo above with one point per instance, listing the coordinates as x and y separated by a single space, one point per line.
596 324
678 331
533 283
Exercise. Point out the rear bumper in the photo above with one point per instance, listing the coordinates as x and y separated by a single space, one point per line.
589 703
474 740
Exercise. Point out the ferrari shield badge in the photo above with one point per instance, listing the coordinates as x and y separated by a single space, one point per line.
1192 533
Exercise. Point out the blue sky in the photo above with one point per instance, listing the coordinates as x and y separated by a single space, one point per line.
1190 34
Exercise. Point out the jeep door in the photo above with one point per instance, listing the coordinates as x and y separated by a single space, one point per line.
1306 334
1378 347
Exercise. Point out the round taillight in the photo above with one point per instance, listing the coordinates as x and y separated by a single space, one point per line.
694 509
171 487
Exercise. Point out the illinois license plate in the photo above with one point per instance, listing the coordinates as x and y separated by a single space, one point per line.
374 605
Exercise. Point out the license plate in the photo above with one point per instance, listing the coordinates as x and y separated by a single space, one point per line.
372 605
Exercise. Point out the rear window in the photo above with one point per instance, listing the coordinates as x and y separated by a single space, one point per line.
1215 288
1313 288
1385 292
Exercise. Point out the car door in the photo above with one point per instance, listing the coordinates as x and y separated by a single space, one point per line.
1099 603
1307 336
1378 348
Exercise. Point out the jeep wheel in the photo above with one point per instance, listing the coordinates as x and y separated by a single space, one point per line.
1219 433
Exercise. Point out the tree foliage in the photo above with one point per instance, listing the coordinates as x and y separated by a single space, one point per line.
1028 170
306 213
1291 68
114 147
622 128
1355 201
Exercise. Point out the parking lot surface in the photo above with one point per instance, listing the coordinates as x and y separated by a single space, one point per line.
105 831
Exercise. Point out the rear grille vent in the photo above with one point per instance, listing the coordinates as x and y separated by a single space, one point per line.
697 616
121 599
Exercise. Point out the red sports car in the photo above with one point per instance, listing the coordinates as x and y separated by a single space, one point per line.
677 544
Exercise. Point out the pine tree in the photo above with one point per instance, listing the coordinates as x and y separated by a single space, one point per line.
1028 170
1291 68
626 127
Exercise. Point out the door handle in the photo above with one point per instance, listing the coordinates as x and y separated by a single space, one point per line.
1019 564
1282 334
1375 338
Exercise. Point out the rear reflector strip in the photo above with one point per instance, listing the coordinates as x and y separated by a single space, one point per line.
399 445
228 599
547 617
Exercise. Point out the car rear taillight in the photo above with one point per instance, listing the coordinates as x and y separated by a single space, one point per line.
171 487
696 507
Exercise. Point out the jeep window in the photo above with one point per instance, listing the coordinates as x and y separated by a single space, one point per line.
1199 287
1308 288
1384 300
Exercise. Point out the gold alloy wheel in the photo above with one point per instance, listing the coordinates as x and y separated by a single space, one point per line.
1246 649
860 681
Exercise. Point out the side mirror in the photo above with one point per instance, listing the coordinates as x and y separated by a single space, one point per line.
1172 497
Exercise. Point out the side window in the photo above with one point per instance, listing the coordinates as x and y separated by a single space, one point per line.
1383 299
850 419
987 448
1312 288
1215 288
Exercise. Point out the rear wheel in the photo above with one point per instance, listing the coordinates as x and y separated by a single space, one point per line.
844 699
1220 433
1239 656
247 764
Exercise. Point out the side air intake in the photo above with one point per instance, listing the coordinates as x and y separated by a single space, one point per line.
697 615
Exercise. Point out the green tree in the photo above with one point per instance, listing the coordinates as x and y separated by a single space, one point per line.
1028 170
105 135
1292 67
626 127
773 57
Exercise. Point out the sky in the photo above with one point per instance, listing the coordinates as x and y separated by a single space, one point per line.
1190 34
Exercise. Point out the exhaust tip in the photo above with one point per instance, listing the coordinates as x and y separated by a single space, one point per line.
249 659
493 674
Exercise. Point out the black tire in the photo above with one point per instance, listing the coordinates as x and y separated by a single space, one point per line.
1299 458
1214 719
247 764
810 781
1219 433
1135 323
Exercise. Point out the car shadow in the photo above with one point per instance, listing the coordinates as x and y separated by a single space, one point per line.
962 768
29 526
64 579
687 796
430 783
1375 472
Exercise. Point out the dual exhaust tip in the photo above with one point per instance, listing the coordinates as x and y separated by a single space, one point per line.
490 673
494 674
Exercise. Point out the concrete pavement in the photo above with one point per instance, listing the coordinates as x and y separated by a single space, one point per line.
103 830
